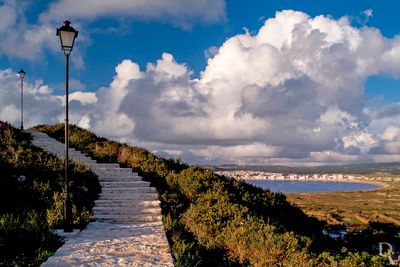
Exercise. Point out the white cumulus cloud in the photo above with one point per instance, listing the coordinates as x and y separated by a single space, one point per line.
293 92
20 39
40 106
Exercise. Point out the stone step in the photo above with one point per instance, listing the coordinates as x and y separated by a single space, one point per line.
125 200
128 190
127 219
126 210
86 161
75 159
60 149
111 170
112 184
120 179
47 146
106 165
70 153
78 157
43 139
126 203
115 174
129 196
74 156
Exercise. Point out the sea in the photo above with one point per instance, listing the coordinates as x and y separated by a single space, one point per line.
289 186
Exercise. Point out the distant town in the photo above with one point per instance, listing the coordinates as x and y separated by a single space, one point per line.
263 175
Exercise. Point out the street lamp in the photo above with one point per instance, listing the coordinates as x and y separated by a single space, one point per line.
67 38
22 76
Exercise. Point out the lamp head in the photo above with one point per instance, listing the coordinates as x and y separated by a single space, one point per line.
67 36
21 74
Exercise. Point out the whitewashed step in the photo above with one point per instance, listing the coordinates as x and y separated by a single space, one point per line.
117 184
112 170
119 179
74 156
130 196
106 165
126 210
61 150
49 146
70 154
127 219
128 190
115 174
86 161
126 203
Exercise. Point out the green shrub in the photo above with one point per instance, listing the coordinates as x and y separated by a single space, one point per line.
25 240
211 220
31 198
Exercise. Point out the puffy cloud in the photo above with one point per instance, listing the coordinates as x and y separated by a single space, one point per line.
290 93
361 141
296 86
23 40
40 106
20 39
389 142
180 12
103 115
390 133
84 98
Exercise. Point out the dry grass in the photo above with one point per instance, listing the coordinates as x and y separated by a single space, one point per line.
362 207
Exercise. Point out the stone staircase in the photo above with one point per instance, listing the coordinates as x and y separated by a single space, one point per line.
126 202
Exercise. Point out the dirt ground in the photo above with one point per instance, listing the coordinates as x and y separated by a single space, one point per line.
356 207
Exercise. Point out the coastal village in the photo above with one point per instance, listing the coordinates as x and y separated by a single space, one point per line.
262 175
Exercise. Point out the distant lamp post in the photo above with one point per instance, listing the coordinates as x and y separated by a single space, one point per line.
22 76
67 38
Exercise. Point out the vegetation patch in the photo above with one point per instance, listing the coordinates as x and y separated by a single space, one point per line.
215 221
31 199
360 207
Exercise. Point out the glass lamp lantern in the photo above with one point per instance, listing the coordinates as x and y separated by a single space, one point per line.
67 36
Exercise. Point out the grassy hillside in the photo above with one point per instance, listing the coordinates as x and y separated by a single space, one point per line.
31 199
214 221
360 207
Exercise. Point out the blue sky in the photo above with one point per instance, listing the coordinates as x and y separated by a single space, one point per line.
197 41
144 41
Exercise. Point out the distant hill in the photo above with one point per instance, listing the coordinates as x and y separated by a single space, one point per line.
365 168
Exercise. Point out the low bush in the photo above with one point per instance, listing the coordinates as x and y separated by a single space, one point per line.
211 220
31 198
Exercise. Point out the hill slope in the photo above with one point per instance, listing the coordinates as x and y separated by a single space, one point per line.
214 221
31 199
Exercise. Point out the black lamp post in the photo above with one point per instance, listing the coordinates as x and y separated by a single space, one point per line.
67 37
22 76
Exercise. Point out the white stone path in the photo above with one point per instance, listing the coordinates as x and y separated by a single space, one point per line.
127 229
